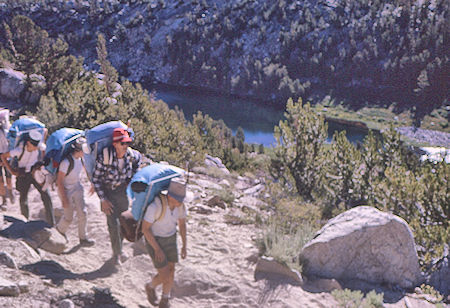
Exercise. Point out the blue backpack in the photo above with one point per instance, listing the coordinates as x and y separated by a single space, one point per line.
98 138
157 177
20 128
58 148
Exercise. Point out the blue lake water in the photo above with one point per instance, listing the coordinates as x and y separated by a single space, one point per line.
257 121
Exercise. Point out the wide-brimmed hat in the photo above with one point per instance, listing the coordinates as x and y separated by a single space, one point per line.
177 190
121 135
34 137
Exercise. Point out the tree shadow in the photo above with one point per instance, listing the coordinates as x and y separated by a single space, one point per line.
57 274
101 297
274 284
50 270
22 229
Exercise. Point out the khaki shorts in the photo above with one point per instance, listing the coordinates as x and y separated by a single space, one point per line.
168 246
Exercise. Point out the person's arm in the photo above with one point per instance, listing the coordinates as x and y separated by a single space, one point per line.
61 191
148 234
97 176
5 161
183 232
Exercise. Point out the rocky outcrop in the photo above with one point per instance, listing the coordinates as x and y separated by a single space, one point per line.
12 83
366 244
48 239
13 86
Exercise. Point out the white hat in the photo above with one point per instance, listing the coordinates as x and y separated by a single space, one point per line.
35 135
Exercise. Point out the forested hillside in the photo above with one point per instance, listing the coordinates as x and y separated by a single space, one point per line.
359 51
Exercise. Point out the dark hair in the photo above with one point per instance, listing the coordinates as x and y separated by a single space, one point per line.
32 141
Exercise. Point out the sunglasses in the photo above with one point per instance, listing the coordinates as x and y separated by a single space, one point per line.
126 143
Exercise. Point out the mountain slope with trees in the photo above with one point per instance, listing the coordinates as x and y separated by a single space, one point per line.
364 52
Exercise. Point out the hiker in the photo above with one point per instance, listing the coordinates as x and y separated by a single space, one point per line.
159 227
5 192
4 145
27 155
71 192
110 178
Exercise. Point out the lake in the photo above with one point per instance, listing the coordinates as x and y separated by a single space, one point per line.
256 120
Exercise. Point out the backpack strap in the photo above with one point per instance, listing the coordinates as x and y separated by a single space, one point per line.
107 156
23 151
164 204
71 164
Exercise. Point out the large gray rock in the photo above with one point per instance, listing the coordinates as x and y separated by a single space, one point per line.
12 83
216 162
364 243
48 239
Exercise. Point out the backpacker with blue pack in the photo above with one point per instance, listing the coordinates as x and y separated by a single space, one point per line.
18 133
20 129
99 138
59 147
157 178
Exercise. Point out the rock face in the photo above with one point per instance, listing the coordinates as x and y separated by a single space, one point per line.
12 83
364 243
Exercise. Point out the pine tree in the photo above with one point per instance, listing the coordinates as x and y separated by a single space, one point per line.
109 72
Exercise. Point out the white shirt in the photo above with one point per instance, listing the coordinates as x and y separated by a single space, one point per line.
3 141
28 158
71 180
167 225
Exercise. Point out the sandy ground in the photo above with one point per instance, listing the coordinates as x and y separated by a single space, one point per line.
218 272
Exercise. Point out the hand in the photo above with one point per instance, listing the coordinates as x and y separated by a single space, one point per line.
107 207
159 255
183 252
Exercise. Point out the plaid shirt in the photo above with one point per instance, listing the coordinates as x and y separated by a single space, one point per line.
108 176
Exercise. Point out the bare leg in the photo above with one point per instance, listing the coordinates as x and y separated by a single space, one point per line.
167 286
162 276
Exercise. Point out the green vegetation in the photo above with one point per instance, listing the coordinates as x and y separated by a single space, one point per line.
427 289
379 173
284 243
29 49
355 299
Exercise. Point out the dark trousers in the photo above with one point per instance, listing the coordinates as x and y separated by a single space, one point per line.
23 184
118 198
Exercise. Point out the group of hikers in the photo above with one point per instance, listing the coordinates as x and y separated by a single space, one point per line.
110 179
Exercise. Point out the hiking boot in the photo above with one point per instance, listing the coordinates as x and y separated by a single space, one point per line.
164 303
151 295
87 242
